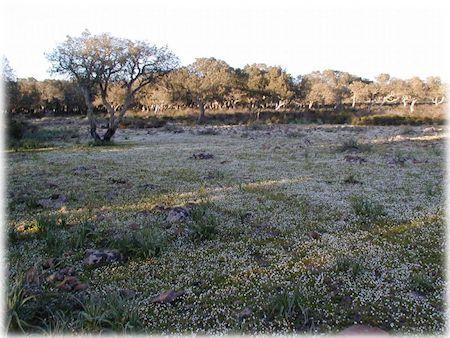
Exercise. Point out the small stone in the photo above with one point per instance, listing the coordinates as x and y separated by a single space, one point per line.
354 159
51 278
134 226
49 263
127 293
247 312
167 296
98 257
202 156
32 276
314 235
80 287
177 214
55 201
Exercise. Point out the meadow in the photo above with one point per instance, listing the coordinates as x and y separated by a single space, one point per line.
227 229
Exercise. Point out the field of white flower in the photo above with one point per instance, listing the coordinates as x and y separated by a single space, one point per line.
305 228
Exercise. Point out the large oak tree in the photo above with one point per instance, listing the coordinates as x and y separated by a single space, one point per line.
100 63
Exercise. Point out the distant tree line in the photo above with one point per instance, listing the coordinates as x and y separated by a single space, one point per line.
113 75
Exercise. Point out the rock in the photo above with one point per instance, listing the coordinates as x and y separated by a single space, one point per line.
98 257
202 156
51 184
149 186
167 296
128 293
160 207
134 226
354 159
82 169
80 287
314 235
429 130
419 161
32 276
118 180
362 330
247 312
177 214
49 263
55 201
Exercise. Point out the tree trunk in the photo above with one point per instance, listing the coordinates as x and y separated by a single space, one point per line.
90 114
370 105
109 134
437 102
405 101
354 101
201 115
411 107
311 103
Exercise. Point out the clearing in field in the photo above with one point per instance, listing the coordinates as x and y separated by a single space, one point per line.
228 229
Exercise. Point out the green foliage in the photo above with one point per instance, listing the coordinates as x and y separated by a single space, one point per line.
207 131
292 307
108 313
395 120
81 235
366 210
351 179
422 283
16 128
352 144
348 264
148 242
204 223
48 232
18 313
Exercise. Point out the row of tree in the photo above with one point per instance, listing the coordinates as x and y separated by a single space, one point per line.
114 75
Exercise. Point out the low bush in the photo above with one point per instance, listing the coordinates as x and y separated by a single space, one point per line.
353 144
395 120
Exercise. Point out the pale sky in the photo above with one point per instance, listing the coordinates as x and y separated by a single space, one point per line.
403 38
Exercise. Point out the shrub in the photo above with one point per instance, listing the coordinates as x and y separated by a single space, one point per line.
207 131
16 128
353 144
395 120
256 126
295 134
